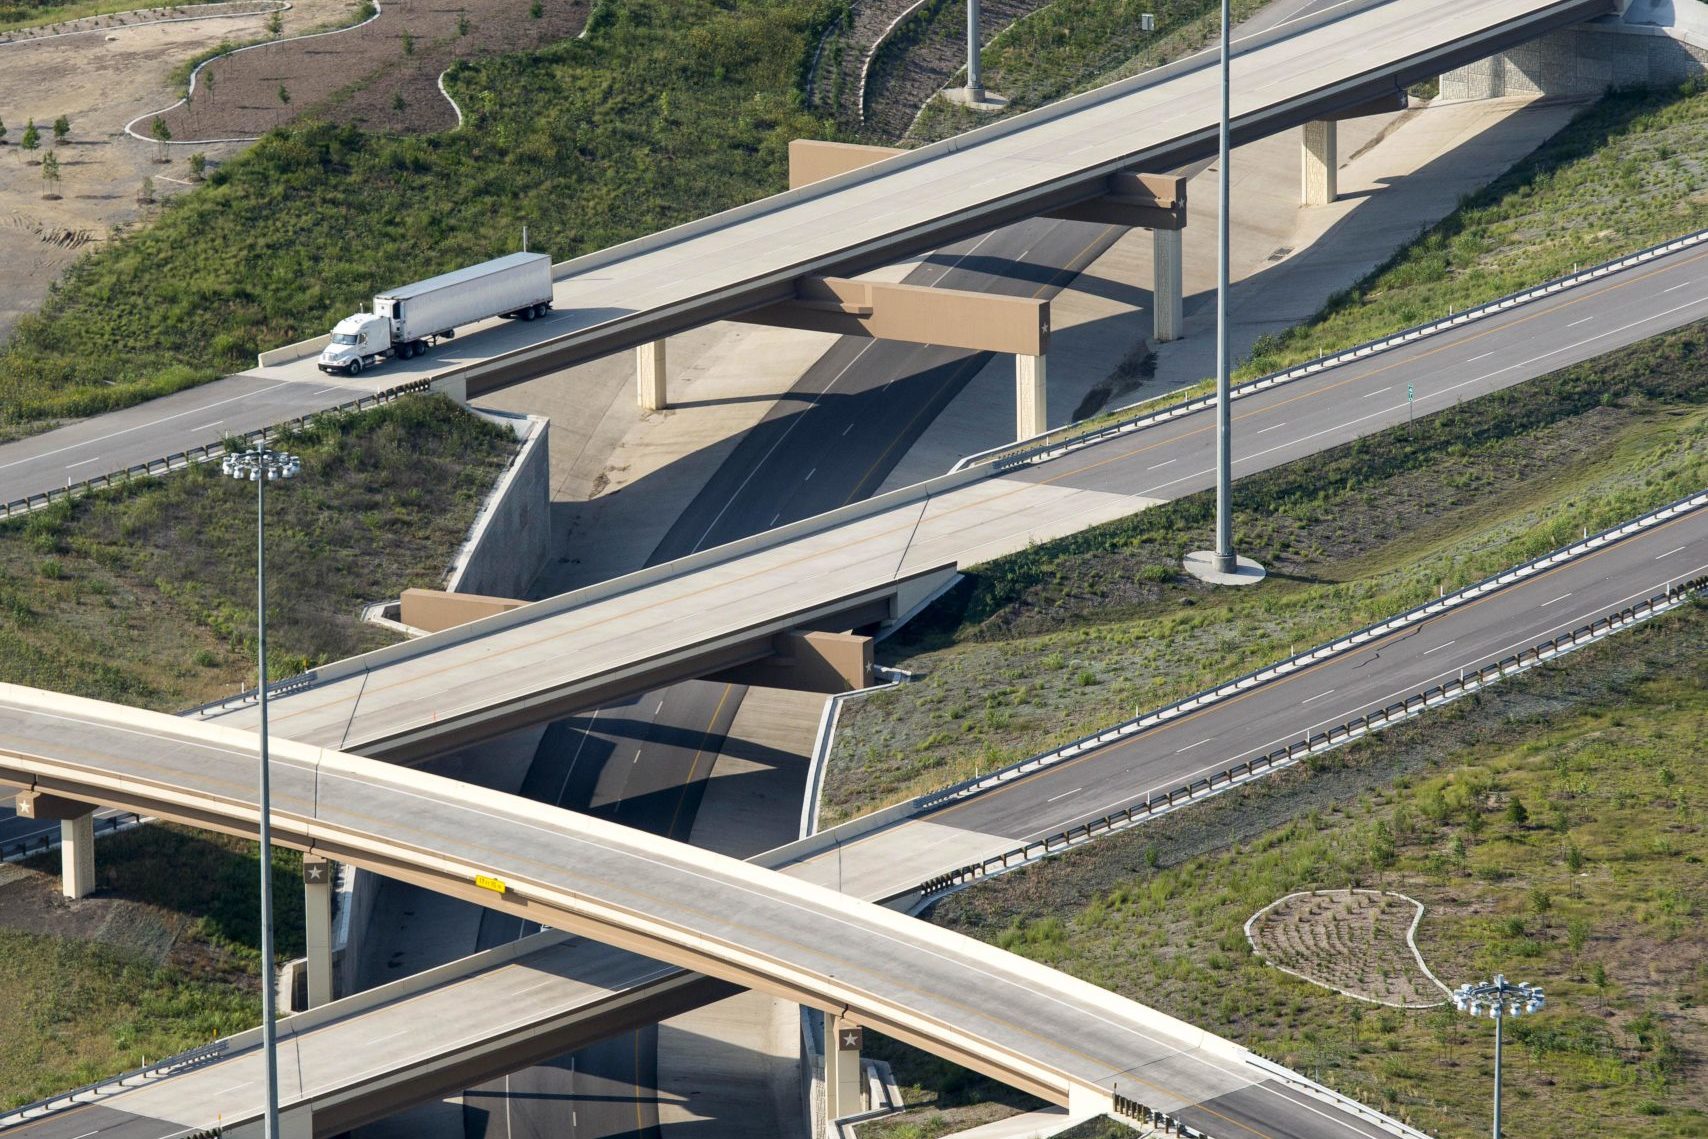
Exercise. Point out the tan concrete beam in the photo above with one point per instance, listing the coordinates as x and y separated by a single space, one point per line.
915 314
431 610
809 662
813 161
652 392
1319 170
41 805
317 875
1031 396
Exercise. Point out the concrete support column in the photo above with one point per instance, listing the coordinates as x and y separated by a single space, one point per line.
317 875
842 1079
1168 290
1030 392
77 855
649 376
1320 172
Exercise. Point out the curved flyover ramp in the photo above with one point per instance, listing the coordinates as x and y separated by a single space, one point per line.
1032 1027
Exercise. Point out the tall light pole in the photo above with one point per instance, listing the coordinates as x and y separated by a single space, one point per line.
1221 565
975 69
262 466
1500 998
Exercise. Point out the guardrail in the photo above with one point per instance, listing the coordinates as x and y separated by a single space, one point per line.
1322 652
1044 447
183 1061
1158 1122
22 848
178 460
1344 1103
1281 758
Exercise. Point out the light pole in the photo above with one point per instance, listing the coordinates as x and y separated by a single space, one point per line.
1500 998
975 77
260 467
1221 565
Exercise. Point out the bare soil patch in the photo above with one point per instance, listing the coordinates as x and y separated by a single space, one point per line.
902 81
99 81
1351 941
382 75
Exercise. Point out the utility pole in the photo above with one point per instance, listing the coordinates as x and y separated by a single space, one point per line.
975 76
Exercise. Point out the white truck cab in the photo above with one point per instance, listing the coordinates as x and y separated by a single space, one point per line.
356 342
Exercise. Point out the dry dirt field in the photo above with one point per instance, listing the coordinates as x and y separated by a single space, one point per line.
100 80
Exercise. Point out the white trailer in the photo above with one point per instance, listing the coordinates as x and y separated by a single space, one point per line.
404 322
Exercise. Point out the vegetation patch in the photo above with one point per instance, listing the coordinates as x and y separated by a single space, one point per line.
1553 827
1351 941
1045 645
664 112
165 957
145 594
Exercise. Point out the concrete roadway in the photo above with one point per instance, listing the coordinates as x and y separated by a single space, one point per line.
405 697
722 266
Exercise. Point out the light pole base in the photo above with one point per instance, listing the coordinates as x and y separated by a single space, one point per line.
1202 565
979 100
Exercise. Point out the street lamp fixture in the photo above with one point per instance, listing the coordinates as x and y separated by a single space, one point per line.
1498 999
261 467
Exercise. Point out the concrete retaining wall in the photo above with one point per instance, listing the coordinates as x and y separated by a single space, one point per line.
1583 61
290 353
512 534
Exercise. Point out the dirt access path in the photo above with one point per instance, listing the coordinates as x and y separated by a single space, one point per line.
382 75
99 79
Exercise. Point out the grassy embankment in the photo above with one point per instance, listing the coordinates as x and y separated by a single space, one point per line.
1061 49
145 595
664 112
1554 829
165 957
37 13
1046 644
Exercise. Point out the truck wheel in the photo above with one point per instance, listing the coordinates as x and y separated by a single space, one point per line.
527 313
355 368
541 309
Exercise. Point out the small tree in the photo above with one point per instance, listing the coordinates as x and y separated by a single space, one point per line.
408 44
207 82
162 135
198 166
32 138
50 175
2 132
145 192
276 22
462 23
284 95
536 9
397 103
1516 814
61 129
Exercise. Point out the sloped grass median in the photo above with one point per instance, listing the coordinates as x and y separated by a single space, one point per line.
146 594
1045 645
665 112
165 957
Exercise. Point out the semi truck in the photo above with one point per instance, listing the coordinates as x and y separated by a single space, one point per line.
405 322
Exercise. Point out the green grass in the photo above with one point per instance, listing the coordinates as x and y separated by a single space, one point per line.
170 961
1627 173
1055 641
666 111
36 13
1068 47
1597 894
145 595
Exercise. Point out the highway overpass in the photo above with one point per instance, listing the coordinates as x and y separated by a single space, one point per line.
1042 1031
759 254
428 695
439 1032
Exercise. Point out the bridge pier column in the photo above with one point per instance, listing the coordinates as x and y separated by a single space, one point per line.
77 855
1320 173
317 875
1030 391
1168 289
649 376
842 1079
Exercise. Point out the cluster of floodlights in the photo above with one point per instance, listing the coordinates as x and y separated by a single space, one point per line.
250 466
1497 997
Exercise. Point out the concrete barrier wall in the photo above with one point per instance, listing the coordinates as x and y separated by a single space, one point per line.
290 353
511 537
